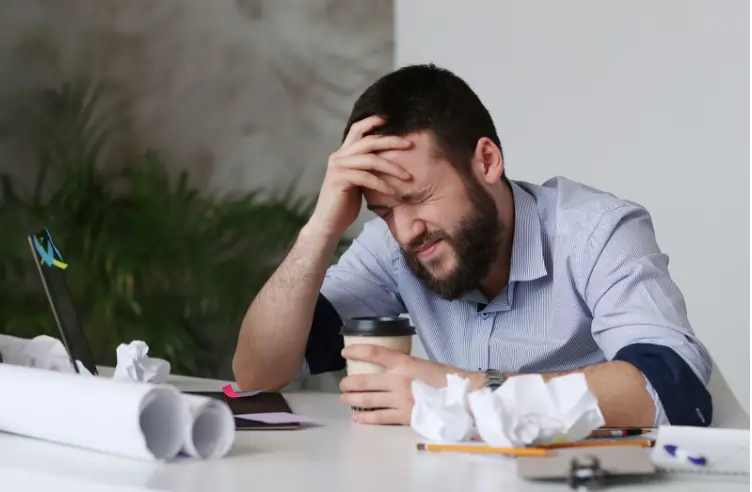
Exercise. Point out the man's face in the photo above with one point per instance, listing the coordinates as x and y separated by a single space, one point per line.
448 227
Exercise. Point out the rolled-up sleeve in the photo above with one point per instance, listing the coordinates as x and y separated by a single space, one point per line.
361 283
639 315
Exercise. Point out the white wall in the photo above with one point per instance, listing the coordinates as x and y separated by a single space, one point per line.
646 99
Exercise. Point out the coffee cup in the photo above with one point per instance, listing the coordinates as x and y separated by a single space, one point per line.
391 332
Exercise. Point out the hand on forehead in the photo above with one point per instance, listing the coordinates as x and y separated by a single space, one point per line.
420 161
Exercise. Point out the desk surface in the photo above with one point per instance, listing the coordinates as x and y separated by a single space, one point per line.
337 456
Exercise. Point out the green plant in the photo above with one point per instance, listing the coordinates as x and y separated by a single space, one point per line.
149 257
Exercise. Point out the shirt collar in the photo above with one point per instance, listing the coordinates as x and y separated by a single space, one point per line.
527 249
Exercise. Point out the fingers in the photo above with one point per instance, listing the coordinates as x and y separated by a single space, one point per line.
370 382
375 400
371 163
388 395
375 143
382 356
359 153
360 128
387 416
364 179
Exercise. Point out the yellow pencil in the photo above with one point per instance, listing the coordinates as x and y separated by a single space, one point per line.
484 449
589 444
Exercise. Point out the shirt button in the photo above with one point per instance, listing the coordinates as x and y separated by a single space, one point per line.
484 315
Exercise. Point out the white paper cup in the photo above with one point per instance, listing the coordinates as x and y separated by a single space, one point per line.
391 332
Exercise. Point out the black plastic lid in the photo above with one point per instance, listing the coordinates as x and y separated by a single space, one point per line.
377 326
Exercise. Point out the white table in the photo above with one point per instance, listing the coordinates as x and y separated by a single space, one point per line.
338 456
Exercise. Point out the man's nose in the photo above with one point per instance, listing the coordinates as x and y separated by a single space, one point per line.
407 227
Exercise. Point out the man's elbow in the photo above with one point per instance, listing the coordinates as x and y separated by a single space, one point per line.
684 395
248 377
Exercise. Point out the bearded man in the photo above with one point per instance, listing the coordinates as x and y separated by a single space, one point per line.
499 277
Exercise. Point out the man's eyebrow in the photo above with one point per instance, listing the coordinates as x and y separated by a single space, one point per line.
411 197
376 207
414 196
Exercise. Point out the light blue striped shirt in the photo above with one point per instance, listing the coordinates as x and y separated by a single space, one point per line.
587 278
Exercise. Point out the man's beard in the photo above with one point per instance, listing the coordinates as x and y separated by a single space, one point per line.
475 243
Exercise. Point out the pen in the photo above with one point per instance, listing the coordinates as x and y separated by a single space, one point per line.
484 449
531 451
592 444
641 429
618 432
681 454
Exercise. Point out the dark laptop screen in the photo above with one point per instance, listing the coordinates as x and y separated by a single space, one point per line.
52 268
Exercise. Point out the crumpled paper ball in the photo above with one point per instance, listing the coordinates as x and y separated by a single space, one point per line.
441 414
134 364
524 411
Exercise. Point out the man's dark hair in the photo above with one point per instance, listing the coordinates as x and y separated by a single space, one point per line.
420 98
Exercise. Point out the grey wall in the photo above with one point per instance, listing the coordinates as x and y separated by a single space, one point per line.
648 100
243 93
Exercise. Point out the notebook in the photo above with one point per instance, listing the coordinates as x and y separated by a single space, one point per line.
725 451
268 403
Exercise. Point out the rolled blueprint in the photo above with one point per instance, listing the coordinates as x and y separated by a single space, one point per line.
125 418
211 432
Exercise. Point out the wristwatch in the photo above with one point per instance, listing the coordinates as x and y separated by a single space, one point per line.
493 379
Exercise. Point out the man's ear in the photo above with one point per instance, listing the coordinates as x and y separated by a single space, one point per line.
488 164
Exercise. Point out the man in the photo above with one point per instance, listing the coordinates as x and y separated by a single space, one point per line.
499 277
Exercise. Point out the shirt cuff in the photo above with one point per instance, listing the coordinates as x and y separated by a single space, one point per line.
660 414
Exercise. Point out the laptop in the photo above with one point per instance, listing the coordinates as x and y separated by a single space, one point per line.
51 266
52 269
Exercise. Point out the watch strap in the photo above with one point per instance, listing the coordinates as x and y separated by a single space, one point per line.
493 379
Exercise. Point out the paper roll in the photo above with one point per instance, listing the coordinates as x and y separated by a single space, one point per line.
125 418
211 432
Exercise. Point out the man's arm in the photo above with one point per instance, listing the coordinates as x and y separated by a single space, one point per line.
618 386
640 321
295 320
657 369
272 339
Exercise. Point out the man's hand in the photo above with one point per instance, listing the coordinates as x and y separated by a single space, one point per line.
356 165
391 391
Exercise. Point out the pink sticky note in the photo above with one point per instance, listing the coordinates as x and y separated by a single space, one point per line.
231 393
276 418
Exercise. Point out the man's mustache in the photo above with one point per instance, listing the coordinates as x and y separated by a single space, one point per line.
425 238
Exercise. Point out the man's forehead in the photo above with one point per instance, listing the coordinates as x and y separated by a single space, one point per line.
423 142
423 164
419 160
410 192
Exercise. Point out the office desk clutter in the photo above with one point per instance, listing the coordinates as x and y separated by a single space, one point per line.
703 451
134 420
524 411
554 430
211 432
127 415
441 414
43 352
133 363
678 452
